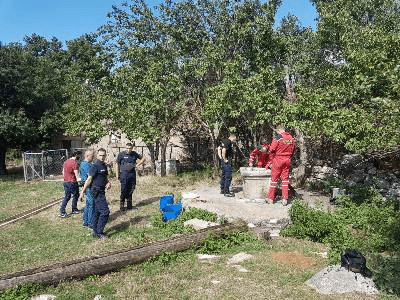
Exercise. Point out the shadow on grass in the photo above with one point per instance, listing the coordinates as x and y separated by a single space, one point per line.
125 225
13 174
147 201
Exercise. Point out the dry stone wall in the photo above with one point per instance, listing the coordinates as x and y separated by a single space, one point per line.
358 170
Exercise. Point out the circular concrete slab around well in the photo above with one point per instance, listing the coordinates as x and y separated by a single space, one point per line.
255 182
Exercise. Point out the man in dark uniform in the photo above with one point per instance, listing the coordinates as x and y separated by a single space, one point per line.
282 147
98 179
126 173
225 154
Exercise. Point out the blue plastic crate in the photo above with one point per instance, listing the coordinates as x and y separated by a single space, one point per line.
172 211
166 200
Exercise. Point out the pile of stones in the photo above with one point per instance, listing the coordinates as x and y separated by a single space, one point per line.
356 169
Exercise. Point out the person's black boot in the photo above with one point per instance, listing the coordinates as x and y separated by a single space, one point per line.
229 194
121 205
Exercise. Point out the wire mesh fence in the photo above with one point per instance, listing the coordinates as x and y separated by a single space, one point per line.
46 165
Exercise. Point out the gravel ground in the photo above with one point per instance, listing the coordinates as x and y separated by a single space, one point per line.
257 212
238 207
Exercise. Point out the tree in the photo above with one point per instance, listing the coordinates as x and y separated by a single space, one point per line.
86 71
224 47
351 92
195 53
29 80
147 92
296 46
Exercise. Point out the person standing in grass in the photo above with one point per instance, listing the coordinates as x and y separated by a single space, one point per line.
84 168
71 188
98 181
126 173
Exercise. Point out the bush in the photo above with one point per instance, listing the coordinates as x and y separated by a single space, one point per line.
370 225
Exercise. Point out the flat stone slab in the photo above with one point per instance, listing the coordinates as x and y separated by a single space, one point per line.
237 258
338 280
199 224
207 257
238 207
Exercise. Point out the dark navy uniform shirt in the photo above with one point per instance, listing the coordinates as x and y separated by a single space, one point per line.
99 173
227 144
127 161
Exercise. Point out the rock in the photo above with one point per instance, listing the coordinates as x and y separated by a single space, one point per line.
357 176
384 184
44 297
97 297
206 257
261 232
337 280
323 254
237 258
199 224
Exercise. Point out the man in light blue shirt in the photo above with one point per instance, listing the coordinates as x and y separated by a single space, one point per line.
84 172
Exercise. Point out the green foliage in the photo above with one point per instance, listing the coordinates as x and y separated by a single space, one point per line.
12 155
362 220
228 243
22 292
386 274
176 226
349 91
164 259
30 81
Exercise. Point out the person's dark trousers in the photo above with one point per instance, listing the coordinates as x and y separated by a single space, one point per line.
101 212
226 176
70 189
128 185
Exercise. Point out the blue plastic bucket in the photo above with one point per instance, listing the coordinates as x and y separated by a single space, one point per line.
172 211
166 200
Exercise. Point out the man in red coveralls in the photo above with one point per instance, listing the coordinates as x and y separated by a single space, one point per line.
264 159
282 147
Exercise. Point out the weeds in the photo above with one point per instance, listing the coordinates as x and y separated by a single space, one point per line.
363 220
228 243
22 292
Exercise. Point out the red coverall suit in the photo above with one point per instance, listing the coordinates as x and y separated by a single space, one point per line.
264 159
283 148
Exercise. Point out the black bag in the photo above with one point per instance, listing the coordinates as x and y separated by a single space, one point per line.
354 261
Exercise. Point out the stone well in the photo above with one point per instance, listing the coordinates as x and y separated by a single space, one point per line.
255 182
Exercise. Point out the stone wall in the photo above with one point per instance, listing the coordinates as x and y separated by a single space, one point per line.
358 170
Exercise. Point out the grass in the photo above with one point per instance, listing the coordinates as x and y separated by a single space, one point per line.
45 238
17 196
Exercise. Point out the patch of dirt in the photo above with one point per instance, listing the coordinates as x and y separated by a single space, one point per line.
293 259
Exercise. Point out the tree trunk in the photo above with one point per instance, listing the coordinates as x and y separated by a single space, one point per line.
3 169
154 151
163 155
56 273
214 145
303 170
